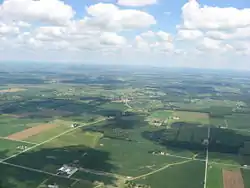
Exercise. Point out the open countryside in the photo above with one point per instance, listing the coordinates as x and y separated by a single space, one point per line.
110 132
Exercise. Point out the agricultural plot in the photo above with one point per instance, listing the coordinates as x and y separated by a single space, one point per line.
10 125
232 179
134 152
11 176
246 177
11 90
214 176
229 146
182 139
60 127
16 177
77 137
238 121
218 122
10 147
190 117
114 106
187 173
161 114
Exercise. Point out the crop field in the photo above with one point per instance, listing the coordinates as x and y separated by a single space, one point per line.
10 125
11 147
238 121
161 114
77 137
214 176
189 173
11 176
61 127
232 179
191 117
11 90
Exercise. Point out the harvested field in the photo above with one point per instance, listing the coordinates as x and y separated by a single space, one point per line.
31 132
11 90
232 179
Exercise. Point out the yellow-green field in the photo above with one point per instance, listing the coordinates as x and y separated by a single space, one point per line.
75 138
190 117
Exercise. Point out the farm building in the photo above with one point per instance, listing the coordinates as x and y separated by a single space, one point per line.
74 125
176 118
68 170
53 186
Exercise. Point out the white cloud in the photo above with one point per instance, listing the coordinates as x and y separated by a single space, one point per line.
8 29
197 17
136 3
217 46
188 34
47 11
112 39
154 41
108 16
236 34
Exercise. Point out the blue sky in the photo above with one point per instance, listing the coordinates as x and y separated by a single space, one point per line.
189 33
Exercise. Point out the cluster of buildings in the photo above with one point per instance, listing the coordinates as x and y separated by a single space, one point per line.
22 147
67 170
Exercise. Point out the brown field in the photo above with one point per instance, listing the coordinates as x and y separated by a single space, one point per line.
31 132
232 179
12 90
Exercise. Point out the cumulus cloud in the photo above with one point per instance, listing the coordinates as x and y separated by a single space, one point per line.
109 16
154 41
47 11
196 16
213 28
136 3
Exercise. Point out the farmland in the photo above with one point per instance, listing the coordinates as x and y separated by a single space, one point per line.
123 128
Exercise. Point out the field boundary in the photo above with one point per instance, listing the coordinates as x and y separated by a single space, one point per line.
14 140
160 169
49 140
24 134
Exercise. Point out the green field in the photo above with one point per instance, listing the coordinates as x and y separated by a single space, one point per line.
238 121
20 178
9 147
43 136
191 117
10 125
214 176
179 176
77 137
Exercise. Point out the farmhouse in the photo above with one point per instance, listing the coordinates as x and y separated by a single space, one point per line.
74 125
176 118
53 186
68 170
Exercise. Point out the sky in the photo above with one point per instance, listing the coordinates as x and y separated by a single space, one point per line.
182 33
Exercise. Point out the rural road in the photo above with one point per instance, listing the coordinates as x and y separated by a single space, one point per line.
49 140
205 176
